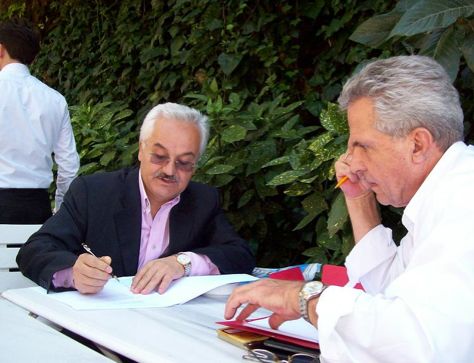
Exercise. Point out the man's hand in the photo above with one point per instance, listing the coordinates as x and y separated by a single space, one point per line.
157 275
279 296
355 187
90 273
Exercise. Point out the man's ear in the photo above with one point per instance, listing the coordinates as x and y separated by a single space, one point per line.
422 143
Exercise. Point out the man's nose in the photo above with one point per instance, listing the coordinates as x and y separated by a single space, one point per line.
355 162
169 168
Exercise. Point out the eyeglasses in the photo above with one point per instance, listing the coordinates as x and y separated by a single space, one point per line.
186 166
265 356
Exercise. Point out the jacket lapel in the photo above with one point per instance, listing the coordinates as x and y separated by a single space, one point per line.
128 224
181 223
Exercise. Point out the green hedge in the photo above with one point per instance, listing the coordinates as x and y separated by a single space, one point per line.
266 73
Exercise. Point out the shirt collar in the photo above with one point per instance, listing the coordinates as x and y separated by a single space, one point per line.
145 202
18 68
415 206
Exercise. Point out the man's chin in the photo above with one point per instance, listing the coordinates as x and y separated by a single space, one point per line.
381 199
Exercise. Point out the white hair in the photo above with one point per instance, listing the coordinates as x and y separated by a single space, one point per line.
409 92
178 112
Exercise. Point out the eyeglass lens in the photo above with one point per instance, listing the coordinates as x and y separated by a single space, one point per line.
266 356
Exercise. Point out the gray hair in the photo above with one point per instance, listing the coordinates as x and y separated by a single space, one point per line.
409 92
179 112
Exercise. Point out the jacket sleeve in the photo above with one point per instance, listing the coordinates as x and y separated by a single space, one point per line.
58 242
220 242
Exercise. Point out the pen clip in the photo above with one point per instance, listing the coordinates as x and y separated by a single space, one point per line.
87 248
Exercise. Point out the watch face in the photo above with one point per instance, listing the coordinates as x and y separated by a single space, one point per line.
313 287
183 259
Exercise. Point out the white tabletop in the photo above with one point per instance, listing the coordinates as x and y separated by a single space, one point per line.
182 333
24 339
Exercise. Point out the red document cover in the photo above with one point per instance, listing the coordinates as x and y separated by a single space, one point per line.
336 276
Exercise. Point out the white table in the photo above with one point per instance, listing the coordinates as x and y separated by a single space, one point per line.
24 339
182 333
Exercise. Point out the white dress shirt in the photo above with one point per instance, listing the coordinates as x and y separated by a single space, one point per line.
419 305
34 123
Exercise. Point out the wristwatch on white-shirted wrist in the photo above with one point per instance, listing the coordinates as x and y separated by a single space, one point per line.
310 290
185 261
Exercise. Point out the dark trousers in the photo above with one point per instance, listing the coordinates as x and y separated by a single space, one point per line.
24 206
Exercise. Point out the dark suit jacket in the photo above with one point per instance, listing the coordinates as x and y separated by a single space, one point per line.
104 210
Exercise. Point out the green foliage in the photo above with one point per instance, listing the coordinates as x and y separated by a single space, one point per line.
106 134
266 73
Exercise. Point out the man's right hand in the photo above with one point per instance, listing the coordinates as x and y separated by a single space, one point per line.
355 187
90 273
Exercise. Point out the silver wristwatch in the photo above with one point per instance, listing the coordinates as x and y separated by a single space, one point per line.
310 290
185 261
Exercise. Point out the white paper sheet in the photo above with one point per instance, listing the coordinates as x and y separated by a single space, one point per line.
299 328
117 295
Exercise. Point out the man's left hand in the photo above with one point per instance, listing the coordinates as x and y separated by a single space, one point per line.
157 275
278 296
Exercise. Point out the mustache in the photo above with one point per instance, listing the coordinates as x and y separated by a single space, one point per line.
161 175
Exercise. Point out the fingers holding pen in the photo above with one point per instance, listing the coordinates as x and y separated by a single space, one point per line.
343 170
91 273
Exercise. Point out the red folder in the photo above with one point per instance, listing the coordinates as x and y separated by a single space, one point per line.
293 273
336 276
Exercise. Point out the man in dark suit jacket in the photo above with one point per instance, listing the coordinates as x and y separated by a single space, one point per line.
150 222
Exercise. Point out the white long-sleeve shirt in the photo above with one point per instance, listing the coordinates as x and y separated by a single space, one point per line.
419 305
34 123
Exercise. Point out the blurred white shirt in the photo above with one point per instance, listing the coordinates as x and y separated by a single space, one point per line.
419 305
34 123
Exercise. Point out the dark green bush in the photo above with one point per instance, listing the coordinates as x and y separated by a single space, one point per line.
266 73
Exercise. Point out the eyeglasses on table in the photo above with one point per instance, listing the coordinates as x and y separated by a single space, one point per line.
266 356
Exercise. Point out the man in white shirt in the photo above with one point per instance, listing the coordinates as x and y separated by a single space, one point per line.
34 124
405 150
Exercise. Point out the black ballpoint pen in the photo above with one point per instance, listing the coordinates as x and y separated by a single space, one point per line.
88 250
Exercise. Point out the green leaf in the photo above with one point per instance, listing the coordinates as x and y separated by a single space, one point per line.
467 49
447 52
286 177
107 157
214 87
317 254
376 30
337 215
314 204
428 15
245 198
219 169
259 153
329 242
88 168
222 180
307 219
298 189
229 62
234 133
320 142
278 161
333 120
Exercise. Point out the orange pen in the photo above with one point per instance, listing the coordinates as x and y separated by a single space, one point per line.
341 181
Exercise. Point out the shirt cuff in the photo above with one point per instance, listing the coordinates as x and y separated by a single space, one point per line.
63 278
201 265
